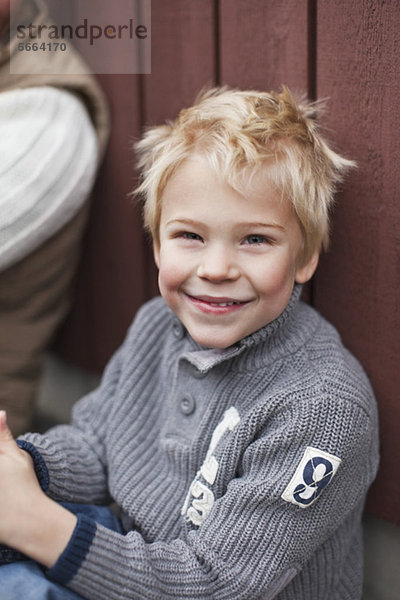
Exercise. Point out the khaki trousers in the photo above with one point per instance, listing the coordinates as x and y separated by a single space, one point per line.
35 295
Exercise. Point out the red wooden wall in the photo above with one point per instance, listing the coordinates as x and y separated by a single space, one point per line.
346 50
358 282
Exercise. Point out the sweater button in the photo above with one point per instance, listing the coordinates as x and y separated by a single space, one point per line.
199 374
187 405
177 329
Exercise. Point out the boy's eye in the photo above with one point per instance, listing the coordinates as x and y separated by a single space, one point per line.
189 235
256 239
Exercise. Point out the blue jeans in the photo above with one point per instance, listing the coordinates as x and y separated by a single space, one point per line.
26 580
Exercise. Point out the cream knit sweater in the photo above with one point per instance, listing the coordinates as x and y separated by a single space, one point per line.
48 160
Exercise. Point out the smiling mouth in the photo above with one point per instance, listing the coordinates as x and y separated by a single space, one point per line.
208 303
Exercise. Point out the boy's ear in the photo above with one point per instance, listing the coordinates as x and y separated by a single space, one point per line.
306 271
156 253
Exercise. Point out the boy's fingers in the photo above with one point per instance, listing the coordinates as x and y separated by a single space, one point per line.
5 433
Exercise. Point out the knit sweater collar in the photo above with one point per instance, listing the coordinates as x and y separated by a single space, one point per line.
277 324
283 335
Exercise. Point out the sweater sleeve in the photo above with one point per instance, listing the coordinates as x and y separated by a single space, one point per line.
253 541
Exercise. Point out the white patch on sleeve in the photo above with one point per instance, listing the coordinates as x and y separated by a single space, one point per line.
315 471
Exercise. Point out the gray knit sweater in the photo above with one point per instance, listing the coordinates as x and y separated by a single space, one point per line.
240 473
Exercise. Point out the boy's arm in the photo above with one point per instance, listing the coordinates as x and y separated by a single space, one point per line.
75 455
29 520
68 463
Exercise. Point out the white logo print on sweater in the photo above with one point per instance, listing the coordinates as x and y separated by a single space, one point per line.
199 508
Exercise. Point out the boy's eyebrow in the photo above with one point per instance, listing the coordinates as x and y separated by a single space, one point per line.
252 225
182 221
260 224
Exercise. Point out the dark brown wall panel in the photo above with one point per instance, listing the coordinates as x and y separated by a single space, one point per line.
183 56
357 285
264 44
112 280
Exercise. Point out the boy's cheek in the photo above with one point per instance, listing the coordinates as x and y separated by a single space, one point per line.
170 278
173 268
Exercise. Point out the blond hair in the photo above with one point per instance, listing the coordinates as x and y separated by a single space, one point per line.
239 132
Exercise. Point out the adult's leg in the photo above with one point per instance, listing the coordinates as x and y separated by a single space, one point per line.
35 294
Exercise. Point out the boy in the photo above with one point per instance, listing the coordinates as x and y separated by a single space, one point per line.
232 429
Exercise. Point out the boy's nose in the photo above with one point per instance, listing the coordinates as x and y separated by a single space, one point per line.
217 264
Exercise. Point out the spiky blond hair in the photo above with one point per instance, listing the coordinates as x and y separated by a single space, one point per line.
239 133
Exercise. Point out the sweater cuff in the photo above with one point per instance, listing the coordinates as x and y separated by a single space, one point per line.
39 464
75 553
9 555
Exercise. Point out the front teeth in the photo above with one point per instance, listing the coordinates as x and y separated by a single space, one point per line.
223 303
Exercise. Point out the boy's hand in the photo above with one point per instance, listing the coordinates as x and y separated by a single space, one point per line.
29 521
19 486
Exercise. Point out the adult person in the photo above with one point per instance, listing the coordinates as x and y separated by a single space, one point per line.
54 125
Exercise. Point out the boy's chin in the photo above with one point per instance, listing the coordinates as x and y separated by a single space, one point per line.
214 340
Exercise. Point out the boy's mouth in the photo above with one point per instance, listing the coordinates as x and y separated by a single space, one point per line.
216 304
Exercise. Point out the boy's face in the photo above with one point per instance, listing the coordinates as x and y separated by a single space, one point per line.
227 263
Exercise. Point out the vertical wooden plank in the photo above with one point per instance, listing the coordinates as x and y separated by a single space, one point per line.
112 280
183 56
358 285
264 44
